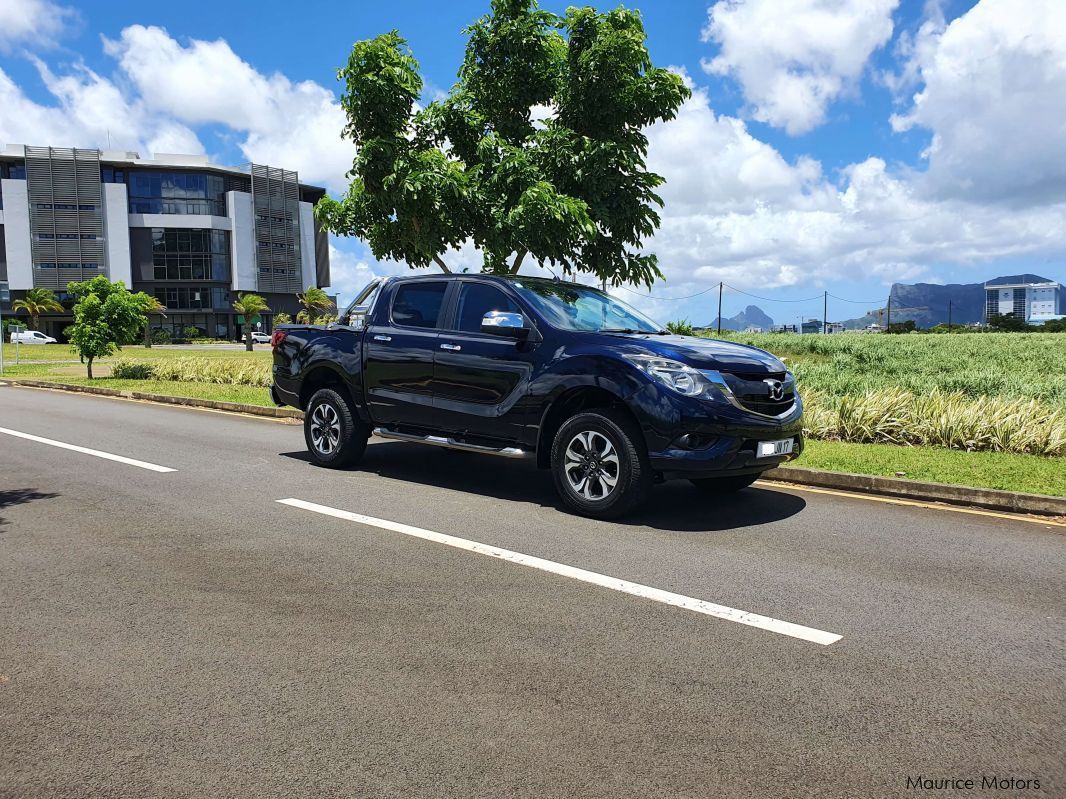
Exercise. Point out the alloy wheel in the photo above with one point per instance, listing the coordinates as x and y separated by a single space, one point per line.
325 428
591 465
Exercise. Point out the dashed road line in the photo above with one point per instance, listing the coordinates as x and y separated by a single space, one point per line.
582 575
153 467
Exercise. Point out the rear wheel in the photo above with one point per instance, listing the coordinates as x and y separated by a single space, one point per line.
599 465
334 436
724 485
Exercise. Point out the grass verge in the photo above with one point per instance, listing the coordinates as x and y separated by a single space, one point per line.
1031 474
248 395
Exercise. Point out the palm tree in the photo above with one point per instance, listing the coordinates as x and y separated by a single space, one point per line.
37 302
315 302
249 306
282 318
153 305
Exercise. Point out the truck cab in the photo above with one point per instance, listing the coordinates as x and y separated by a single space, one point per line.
522 367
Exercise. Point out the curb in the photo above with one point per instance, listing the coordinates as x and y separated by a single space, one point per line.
188 402
992 499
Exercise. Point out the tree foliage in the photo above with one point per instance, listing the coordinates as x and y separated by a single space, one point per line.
537 152
249 306
316 304
36 302
106 316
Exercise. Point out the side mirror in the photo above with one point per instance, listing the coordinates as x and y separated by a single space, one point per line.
357 317
504 323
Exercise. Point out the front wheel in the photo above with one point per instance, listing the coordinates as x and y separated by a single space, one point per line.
334 436
599 464
724 485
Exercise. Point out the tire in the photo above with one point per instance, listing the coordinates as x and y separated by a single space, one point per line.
724 485
334 436
584 492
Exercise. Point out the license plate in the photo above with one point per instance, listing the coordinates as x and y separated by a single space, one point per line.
770 449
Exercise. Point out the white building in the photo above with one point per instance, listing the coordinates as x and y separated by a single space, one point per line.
189 232
1034 302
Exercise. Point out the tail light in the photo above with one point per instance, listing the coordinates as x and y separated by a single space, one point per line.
276 338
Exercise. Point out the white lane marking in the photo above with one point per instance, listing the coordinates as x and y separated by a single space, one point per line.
86 451
602 580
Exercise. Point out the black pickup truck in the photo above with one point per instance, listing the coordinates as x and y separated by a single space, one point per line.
519 367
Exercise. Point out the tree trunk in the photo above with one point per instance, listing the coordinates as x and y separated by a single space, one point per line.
441 264
518 262
35 321
248 339
89 367
148 334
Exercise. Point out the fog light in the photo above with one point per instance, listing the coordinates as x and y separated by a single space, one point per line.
693 441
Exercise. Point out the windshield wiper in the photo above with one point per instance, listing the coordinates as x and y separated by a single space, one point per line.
633 330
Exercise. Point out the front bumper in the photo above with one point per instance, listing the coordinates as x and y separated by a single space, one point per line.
730 434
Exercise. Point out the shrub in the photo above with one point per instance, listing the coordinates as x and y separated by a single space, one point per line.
160 335
132 370
681 327
224 371
191 332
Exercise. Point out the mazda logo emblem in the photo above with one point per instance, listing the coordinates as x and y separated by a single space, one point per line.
777 391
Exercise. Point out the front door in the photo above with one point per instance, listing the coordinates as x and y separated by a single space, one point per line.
399 355
478 376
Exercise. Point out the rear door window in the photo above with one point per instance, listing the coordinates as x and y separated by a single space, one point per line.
476 300
419 304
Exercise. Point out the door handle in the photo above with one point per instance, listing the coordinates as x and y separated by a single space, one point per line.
382 338
451 347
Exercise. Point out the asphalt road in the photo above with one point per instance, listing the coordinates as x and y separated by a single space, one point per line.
182 633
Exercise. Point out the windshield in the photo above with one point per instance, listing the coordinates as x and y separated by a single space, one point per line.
574 307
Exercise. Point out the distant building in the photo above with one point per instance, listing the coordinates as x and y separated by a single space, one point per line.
783 329
1033 302
753 329
191 233
834 327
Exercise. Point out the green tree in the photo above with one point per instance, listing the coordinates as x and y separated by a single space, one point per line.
152 306
315 303
572 189
35 303
1007 323
106 316
249 306
282 318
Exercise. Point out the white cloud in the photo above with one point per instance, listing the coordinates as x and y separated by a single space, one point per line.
352 266
737 211
292 124
993 93
793 58
90 111
33 22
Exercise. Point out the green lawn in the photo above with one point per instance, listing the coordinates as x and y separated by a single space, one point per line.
248 395
1008 472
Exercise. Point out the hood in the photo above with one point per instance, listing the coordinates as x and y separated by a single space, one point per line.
705 353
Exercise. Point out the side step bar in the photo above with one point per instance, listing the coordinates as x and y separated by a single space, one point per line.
451 443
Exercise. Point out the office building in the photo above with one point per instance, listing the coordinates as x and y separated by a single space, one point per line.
1035 302
192 233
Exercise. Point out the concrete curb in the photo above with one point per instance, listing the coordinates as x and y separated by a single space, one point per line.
1009 501
188 402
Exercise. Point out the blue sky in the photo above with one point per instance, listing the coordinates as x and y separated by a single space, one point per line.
802 164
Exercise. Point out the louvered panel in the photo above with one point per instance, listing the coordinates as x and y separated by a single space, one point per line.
66 214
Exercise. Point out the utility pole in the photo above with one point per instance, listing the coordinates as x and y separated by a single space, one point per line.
949 316
825 312
719 307
888 323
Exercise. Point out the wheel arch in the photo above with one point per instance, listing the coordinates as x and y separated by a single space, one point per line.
570 402
324 376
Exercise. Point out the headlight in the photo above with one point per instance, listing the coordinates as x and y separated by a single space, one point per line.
680 377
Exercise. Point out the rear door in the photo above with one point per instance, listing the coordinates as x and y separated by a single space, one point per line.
399 347
479 377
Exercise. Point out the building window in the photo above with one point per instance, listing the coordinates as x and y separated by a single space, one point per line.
179 254
184 298
109 174
164 192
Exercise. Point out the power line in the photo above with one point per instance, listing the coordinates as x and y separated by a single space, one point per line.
857 302
668 299
768 299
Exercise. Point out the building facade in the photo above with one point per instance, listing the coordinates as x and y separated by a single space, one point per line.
191 233
1034 302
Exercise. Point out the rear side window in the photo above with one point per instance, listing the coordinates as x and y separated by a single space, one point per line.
476 300
418 304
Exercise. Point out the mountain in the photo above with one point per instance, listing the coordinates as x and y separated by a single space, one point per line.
752 316
927 303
